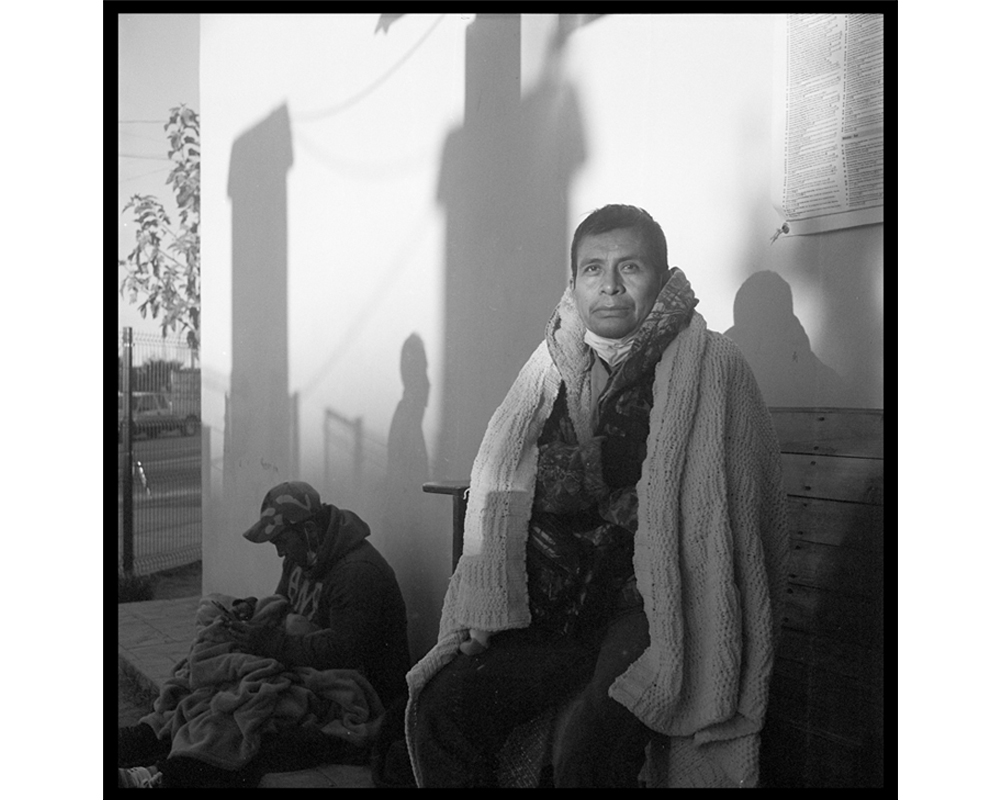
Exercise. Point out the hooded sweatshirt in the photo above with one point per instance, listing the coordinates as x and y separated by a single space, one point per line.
351 595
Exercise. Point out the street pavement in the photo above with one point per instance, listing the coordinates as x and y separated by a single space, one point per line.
183 582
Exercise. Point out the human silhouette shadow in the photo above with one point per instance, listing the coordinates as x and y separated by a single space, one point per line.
411 539
504 185
777 347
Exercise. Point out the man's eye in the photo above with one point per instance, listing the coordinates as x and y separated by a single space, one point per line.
630 266
591 268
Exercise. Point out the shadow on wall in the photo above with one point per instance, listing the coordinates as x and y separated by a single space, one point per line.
258 416
412 549
504 184
776 345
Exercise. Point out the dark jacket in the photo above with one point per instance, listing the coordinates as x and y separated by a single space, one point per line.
352 595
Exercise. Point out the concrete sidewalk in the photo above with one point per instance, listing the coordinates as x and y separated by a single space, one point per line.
153 636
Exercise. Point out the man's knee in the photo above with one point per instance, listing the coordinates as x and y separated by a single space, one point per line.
442 709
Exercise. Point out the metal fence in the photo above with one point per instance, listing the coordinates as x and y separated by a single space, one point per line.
159 454
354 464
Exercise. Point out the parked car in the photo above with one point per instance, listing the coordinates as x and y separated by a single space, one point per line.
152 415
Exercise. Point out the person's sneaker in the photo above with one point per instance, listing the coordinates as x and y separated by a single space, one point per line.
139 778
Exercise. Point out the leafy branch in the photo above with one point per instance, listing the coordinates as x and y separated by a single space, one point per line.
164 267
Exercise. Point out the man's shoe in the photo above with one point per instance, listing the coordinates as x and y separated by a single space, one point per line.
139 778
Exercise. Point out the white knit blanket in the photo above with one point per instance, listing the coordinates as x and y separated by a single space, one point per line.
710 558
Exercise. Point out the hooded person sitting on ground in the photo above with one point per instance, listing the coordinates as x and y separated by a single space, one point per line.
344 610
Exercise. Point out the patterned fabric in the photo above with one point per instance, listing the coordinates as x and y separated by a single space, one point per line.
286 504
579 553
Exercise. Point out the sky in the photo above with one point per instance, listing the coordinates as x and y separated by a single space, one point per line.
157 70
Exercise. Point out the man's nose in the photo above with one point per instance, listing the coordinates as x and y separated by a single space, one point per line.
612 282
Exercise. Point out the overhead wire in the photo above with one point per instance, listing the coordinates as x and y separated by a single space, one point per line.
313 117
141 136
137 155
142 175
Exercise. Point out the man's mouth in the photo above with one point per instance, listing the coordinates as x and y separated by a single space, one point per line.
614 311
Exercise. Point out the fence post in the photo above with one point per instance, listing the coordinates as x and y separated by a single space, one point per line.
128 509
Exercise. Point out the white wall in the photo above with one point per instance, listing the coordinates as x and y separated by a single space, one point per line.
363 249
678 118
449 168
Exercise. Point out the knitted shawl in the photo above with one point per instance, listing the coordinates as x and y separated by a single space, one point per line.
710 556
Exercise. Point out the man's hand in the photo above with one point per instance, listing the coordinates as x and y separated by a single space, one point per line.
477 642
239 632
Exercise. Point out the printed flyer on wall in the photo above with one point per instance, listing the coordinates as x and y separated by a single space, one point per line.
828 123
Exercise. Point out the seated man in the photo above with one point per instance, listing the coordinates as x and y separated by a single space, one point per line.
624 543
346 613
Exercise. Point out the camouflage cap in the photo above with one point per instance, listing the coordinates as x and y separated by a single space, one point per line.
286 504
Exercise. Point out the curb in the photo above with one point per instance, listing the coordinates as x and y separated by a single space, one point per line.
143 689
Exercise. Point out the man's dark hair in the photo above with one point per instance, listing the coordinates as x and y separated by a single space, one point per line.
616 217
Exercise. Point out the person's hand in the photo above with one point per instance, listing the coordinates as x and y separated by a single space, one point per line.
243 609
297 625
239 632
477 642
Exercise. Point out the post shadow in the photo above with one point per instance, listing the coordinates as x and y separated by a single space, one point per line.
777 347
258 424
504 184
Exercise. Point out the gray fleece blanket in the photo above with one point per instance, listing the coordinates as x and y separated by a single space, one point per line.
221 703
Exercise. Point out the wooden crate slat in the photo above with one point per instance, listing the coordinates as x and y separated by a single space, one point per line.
793 757
837 569
841 432
850 717
836 655
829 686
782 749
840 616
857 480
835 522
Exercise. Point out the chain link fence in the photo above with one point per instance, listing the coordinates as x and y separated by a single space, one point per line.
159 454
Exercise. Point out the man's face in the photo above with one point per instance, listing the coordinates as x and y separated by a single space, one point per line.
616 282
291 544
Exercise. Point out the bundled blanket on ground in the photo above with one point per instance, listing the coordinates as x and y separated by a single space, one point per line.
220 703
710 548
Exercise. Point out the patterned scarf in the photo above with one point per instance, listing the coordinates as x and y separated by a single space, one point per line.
578 561
623 409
